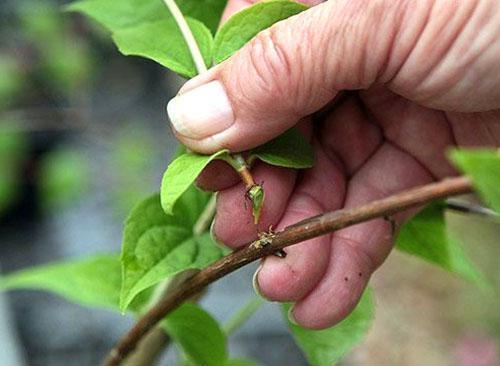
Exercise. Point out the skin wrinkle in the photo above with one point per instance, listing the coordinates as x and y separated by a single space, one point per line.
317 60
401 82
385 23
395 53
277 52
367 56
475 56
430 76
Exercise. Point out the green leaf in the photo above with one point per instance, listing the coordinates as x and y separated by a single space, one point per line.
245 25
180 175
328 346
119 14
209 12
425 236
137 24
162 41
289 150
92 281
198 334
157 246
483 167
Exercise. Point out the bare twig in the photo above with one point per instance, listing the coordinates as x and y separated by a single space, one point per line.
303 230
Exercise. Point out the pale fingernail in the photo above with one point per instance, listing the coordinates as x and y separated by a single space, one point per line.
255 282
291 317
201 112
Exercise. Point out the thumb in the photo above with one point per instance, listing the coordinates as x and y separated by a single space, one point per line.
285 73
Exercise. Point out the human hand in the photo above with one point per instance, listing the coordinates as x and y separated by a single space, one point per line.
420 76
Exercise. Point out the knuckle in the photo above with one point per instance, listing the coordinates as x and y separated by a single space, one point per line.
270 61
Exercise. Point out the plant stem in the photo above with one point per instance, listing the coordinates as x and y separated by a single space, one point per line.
198 60
242 316
468 208
199 63
301 231
149 349
205 219
238 163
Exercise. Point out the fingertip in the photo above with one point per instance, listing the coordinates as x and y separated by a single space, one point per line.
319 321
338 292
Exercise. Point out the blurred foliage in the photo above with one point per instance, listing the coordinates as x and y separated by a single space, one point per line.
426 236
131 161
483 167
13 148
11 80
65 61
49 60
64 177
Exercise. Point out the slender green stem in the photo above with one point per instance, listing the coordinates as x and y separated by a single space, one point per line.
470 208
198 60
205 219
242 316
238 163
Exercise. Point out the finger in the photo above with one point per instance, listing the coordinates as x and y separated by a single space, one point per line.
357 251
291 278
287 72
233 224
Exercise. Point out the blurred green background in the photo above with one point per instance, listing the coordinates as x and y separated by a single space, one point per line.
83 137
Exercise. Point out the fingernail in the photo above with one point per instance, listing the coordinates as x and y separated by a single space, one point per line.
291 317
201 112
255 282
